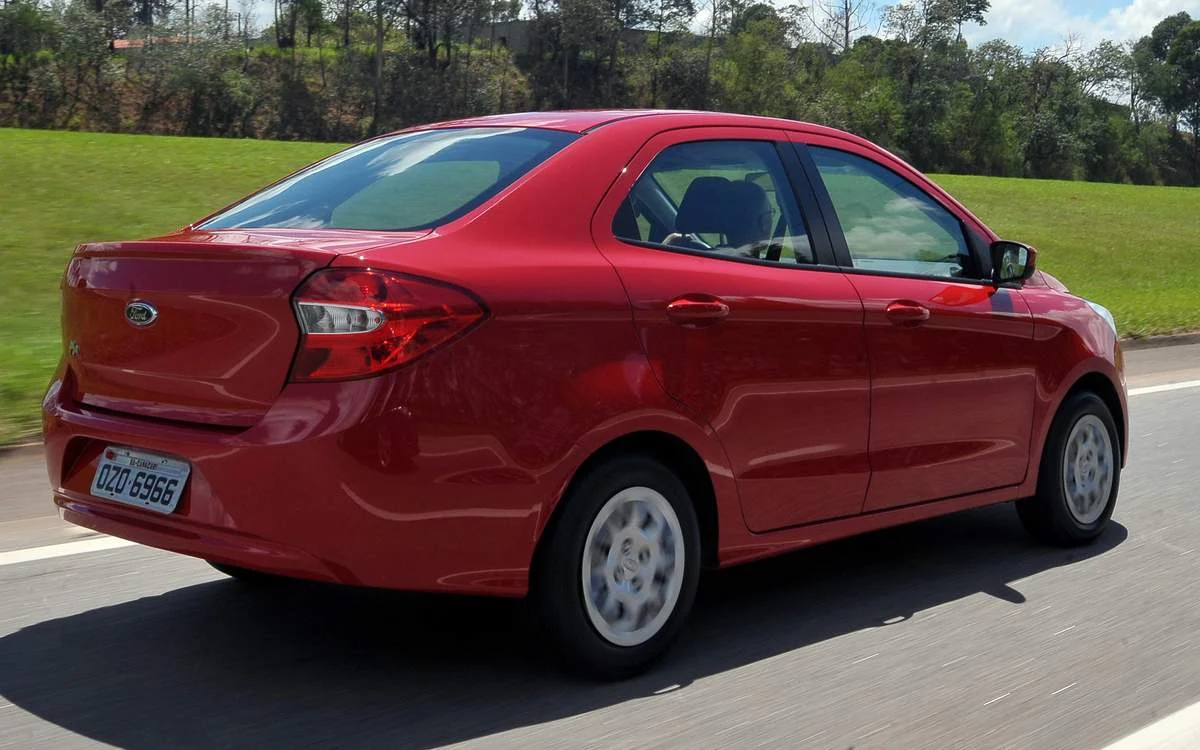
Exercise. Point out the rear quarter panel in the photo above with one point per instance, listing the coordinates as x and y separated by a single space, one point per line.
496 424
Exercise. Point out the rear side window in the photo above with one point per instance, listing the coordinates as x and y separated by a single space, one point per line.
403 182
726 198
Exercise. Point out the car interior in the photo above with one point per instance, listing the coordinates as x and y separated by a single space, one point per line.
722 214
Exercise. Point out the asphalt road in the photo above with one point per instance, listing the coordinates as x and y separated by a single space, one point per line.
952 633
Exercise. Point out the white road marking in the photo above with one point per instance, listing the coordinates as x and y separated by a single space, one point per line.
1175 548
1072 627
997 698
62 550
1179 731
1064 689
865 658
1164 388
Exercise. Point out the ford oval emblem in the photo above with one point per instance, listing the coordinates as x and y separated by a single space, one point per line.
140 313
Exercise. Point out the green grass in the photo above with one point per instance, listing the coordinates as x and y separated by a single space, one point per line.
1134 249
60 189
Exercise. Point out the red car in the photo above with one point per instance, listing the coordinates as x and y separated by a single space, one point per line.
577 356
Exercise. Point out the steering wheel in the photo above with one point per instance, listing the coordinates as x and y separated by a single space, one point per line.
690 240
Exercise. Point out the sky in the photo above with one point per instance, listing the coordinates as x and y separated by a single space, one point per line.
1033 24
1042 23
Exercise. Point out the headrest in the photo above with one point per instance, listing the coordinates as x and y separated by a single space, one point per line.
747 201
703 208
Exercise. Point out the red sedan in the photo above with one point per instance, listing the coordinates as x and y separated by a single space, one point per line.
577 356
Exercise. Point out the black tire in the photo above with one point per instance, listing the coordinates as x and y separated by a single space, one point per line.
246 575
557 591
1047 516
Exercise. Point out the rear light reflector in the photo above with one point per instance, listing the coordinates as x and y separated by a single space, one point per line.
316 317
356 323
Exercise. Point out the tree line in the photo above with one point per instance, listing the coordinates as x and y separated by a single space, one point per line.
344 69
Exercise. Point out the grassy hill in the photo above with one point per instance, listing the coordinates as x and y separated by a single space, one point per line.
1134 249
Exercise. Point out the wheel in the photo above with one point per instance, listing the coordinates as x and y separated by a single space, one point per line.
246 575
618 575
1079 475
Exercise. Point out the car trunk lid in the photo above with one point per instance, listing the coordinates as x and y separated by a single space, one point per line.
195 327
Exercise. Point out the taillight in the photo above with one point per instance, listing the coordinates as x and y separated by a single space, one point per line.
357 323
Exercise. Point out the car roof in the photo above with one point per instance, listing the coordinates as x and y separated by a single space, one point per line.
644 121
583 120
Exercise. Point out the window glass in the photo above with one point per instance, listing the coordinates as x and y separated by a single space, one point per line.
891 224
728 198
407 181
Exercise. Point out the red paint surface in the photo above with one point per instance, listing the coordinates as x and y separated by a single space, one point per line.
815 414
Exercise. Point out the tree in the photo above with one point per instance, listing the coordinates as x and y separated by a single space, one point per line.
311 14
1184 56
960 12
148 10
25 29
920 89
746 16
841 20
384 12
1164 34
797 21
83 50
1102 69
1050 125
854 96
1156 89
904 22
1157 76
756 73
717 23
670 16
346 11
924 22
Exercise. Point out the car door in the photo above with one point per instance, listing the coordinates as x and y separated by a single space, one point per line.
953 374
744 316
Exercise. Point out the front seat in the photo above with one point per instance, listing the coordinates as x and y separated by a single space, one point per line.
703 210
748 219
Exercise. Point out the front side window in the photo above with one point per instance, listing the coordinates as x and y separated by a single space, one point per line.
403 182
889 223
727 198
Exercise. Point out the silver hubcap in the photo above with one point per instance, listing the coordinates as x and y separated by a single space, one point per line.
633 563
1087 471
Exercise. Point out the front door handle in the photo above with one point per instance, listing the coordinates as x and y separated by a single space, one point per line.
697 310
907 313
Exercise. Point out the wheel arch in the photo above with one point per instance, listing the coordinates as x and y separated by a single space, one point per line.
1100 384
673 452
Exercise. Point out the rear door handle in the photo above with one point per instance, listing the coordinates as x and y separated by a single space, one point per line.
907 313
697 310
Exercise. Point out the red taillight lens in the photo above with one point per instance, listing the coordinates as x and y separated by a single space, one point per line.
357 323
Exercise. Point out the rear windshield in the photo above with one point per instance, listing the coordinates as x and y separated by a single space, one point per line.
408 181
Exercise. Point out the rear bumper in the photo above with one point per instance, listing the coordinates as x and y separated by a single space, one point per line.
336 483
208 543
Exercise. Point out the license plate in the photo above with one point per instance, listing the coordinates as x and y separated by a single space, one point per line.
146 480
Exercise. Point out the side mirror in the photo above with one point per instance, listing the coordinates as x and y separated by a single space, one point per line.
1012 262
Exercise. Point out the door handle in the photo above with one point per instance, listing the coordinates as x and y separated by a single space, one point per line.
907 313
697 310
